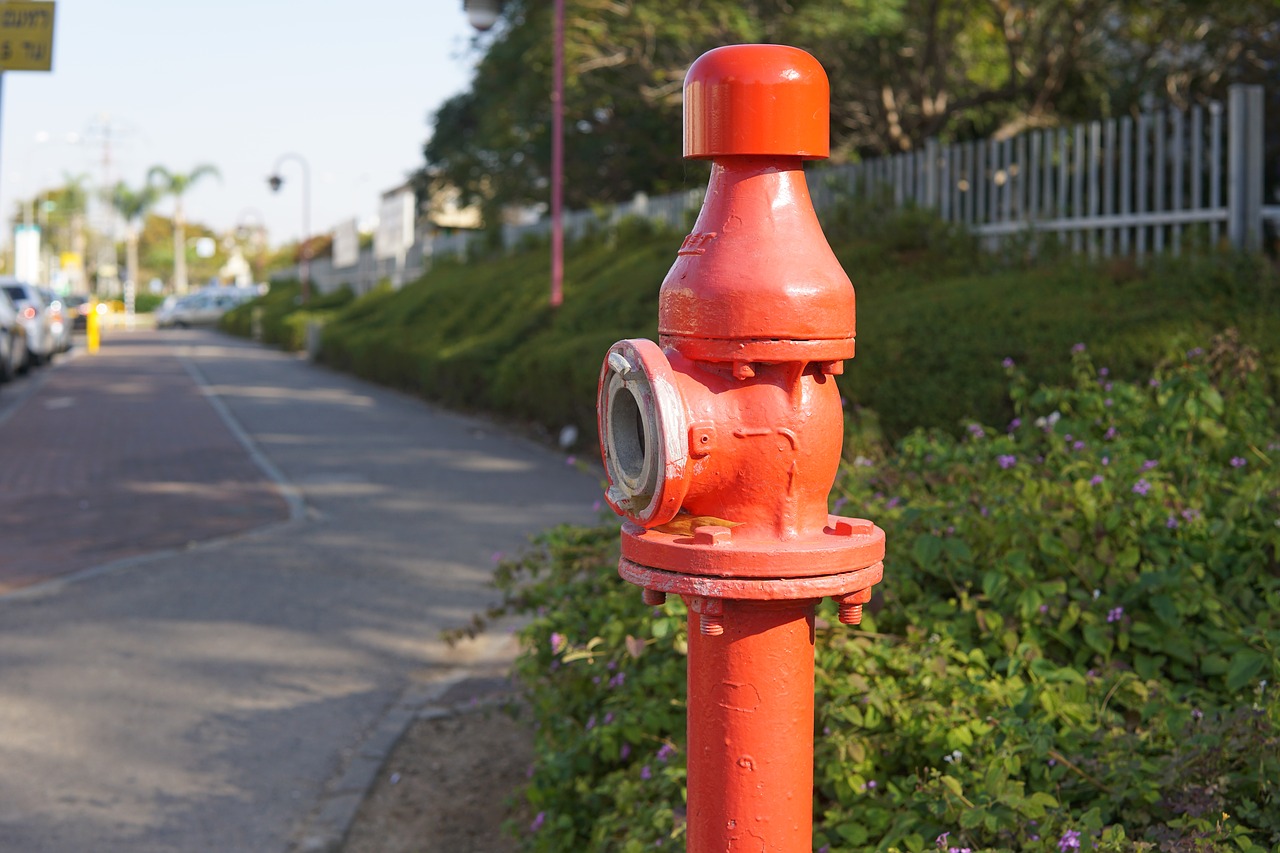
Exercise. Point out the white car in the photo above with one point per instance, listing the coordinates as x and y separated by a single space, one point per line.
13 340
197 309
34 315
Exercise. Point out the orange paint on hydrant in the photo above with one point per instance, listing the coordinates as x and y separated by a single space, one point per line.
722 441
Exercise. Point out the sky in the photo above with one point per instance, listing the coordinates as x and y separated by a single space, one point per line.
348 87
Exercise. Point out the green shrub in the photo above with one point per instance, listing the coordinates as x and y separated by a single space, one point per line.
1076 642
283 318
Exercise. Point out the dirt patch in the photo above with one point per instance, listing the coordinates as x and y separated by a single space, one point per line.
452 780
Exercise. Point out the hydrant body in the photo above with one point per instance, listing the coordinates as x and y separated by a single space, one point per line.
722 441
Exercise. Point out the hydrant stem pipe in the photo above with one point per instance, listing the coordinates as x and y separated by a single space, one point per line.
750 782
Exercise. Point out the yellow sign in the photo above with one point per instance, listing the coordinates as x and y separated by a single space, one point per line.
26 36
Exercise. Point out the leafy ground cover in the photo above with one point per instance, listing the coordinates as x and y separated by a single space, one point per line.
1076 645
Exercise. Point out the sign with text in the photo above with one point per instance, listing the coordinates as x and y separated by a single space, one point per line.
395 224
346 245
26 36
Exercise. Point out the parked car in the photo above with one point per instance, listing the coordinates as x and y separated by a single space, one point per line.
197 309
13 340
77 306
34 315
60 320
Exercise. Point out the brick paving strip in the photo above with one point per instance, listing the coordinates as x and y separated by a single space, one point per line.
116 455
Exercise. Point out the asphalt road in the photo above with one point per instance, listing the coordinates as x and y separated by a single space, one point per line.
223 576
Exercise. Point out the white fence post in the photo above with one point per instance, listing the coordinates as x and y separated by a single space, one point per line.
1244 167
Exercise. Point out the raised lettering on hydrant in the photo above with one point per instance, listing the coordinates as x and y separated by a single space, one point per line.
722 441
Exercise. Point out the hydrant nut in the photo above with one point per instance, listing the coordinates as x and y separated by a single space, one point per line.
853 527
712 535
619 363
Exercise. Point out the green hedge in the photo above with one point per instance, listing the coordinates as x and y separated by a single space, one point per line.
281 314
1075 646
934 314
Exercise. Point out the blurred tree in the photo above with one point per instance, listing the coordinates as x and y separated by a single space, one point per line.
133 205
902 71
176 184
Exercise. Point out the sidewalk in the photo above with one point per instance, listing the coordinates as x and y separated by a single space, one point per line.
237 695
120 455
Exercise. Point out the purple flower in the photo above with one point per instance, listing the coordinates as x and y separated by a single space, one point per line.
1107 402
1044 608
1007 461
1197 714
893 502
591 723
1238 462
496 557
1070 840
1115 614
1153 382
1110 434
625 752
618 680
1007 363
976 431
1014 424
1190 514
1078 348
872 784
1171 523
1106 460
1195 352
1103 371
645 772
1141 487
665 753
1149 464
608 718
941 840
1096 480
1079 445
1106 386
538 822
558 642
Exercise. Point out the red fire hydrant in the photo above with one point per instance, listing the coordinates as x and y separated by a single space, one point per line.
722 441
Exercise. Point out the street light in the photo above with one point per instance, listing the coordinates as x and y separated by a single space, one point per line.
482 15
275 181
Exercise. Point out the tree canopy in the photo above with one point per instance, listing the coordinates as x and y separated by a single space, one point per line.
901 71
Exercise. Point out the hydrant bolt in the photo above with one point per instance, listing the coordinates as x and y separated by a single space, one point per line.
850 614
851 606
654 597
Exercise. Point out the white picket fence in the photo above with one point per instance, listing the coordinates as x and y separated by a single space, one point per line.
1120 186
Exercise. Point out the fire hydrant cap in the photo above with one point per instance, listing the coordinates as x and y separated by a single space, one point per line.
756 99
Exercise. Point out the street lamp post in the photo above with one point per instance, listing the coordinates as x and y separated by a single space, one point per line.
483 14
275 181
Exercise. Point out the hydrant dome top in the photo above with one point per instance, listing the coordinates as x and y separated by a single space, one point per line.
756 99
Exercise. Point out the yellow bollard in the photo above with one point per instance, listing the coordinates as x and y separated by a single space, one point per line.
91 328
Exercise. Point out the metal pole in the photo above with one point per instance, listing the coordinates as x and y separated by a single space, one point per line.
751 729
557 160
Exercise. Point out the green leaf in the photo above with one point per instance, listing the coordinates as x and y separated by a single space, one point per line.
1097 639
1245 666
926 550
953 785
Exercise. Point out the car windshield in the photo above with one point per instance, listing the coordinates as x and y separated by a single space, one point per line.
15 291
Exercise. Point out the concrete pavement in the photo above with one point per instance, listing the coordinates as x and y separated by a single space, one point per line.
237 694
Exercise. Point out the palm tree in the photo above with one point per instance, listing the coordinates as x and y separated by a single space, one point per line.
132 205
176 184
